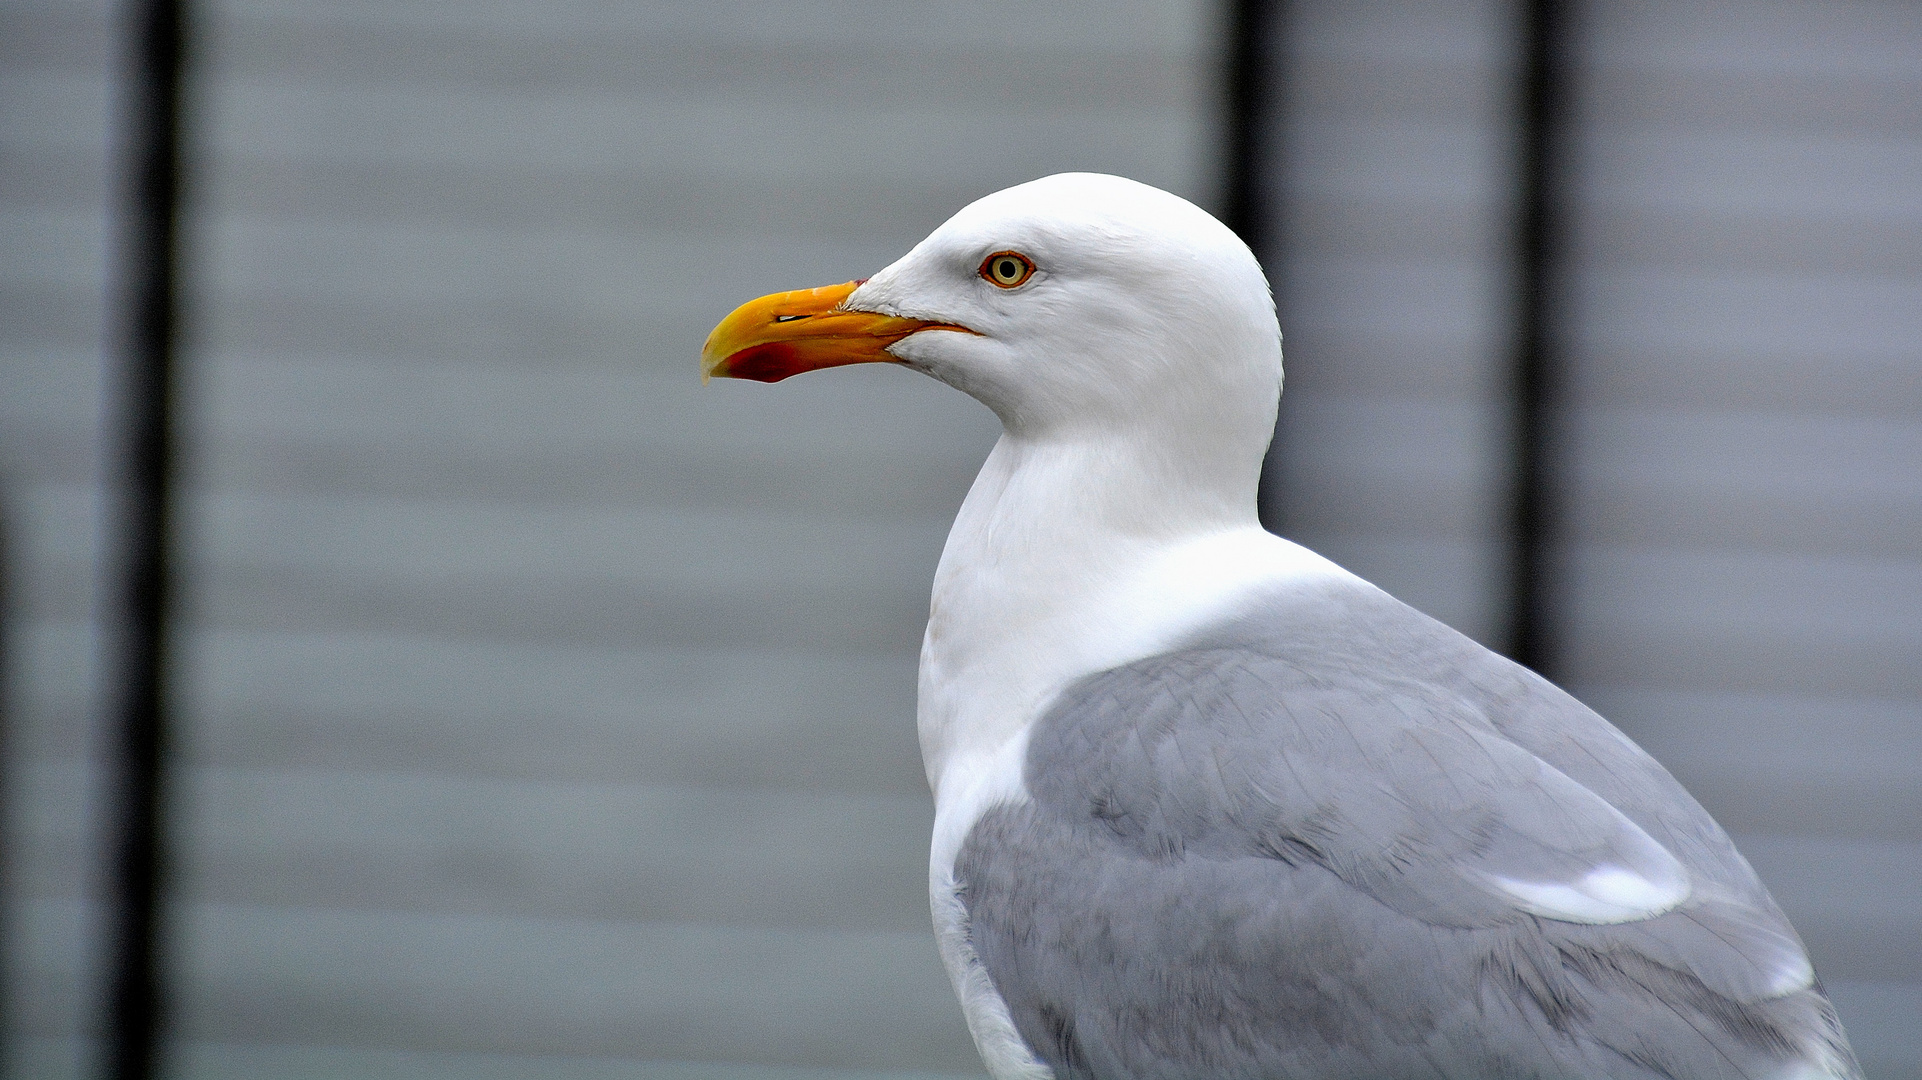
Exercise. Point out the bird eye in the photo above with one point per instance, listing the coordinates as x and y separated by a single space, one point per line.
1007 269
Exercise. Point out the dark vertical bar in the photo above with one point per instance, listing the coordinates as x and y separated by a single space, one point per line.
1251 25
1541 117
7 851
152 140
1249 158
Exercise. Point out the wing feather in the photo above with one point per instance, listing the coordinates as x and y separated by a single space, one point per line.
1337 838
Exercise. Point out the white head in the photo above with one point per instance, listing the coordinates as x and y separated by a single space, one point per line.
1079 307
1128 343
1140 309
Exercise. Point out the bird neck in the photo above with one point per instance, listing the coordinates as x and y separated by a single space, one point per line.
1069 557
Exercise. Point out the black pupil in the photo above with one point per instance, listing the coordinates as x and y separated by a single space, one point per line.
1007 269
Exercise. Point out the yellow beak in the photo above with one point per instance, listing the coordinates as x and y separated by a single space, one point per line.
787 333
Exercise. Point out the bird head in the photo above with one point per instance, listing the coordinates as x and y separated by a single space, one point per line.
1074 303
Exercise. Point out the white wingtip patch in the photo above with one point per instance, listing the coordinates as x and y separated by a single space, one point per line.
1793 976
1606 894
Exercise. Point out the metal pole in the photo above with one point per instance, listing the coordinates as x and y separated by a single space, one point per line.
1251 26
1252 76
139 666
1540 117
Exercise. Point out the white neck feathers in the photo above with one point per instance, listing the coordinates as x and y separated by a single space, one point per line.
1069 558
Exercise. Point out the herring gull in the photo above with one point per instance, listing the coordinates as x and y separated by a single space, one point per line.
1207 804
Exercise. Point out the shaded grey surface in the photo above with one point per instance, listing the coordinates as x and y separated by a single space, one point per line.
546 713
1743 527
1390 280
1744 440
457 260
1275 851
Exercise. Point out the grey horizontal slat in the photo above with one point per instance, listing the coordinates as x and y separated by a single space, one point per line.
500 708
52 694
56 528
60 110
1404 162
1466 31
54 828
1766 314
1825 485
1340 227
461 844
60 179
1364 87
855 71
1424 468
47 317
627 196
581 610
723 552
1344 361
49 986
913 482
1877 384
1743 622
660 295
1780 37
1707 96
1804 595
1809 172
1442 303
258 1061
52 249
1737 449
57 389
1649 507
42 36
609 130
1791 764
486 329
1812 240
47 1057
870 444
1828 317
979 27
588 269
521 985
1849 899
430 409
65 591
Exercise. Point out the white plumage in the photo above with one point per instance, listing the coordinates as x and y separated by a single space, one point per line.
1206 803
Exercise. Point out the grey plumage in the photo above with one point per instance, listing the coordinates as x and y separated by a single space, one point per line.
1277 851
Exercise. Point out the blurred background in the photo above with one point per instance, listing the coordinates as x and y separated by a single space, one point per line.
543 713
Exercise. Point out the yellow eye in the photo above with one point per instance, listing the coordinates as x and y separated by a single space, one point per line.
1007 269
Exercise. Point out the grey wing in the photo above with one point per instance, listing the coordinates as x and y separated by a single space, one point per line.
1319 842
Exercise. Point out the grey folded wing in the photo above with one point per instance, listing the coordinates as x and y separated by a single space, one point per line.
1335 838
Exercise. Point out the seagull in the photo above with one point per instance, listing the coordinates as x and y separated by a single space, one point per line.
1209 805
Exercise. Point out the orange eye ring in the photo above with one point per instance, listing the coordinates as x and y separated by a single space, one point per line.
1007 269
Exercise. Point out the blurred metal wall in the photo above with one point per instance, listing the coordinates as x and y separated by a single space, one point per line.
55 191
1740 442
1743 591
546 713
550 715
1395 194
